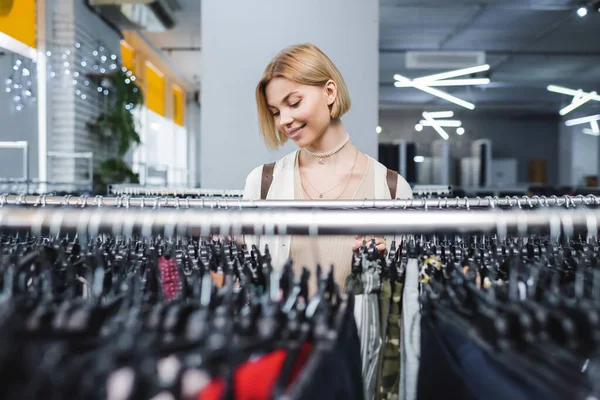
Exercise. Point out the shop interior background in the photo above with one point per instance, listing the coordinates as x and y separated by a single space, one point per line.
70 71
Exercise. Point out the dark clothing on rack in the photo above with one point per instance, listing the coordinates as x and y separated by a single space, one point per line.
255 379
338 376
453 367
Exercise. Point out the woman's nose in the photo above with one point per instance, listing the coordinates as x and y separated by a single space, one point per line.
285 119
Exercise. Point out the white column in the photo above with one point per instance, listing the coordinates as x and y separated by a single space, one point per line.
579 152
239 38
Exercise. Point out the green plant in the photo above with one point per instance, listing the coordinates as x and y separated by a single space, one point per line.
116 124
110 171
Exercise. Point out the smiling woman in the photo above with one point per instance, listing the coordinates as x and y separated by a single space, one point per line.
302 96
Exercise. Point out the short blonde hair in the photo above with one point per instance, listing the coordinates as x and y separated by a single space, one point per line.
305 64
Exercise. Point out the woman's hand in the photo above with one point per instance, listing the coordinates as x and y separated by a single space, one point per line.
380 242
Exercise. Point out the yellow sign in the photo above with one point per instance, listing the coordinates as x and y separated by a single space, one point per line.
155 89
178 105
18 20
128 55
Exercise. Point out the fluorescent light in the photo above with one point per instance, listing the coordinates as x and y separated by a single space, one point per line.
453 74
562 90
441 114
449 123
595 127
578 103
460 131
583 120
378 130
437 93
590 132
453 82
418 127
435 126
567 91
419 159
582 12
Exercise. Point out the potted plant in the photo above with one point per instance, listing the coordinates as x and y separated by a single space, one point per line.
116 125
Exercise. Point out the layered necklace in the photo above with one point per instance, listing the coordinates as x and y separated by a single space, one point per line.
346 180
326 154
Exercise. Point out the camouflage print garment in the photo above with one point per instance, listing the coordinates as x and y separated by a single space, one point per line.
390 369
385 296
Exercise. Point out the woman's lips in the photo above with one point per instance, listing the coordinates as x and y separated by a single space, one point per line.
296 132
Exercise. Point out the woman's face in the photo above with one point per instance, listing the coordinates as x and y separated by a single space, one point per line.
301 112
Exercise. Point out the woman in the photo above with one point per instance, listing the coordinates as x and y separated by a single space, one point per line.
302 96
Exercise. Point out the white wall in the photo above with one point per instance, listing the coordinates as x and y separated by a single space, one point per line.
239 37
192 122
585 156
16 126
579 153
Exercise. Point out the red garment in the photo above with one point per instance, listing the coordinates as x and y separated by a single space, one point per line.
254 380
170 280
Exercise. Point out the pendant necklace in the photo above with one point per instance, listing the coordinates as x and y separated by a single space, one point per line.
326 154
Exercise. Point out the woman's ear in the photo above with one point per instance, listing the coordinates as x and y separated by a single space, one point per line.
331 91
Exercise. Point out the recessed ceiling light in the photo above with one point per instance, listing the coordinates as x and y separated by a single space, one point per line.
582 12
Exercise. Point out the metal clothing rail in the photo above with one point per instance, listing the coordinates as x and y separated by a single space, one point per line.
420 190
426 204
173 191
55 221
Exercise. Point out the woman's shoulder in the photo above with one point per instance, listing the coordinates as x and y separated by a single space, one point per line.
255 176
403 189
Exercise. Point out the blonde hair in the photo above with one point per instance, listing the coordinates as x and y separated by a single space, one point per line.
305 64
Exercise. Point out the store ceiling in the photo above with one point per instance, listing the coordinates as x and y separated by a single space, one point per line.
528 43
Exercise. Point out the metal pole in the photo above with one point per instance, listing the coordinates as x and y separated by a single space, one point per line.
44 220
91 171
237 203
26 165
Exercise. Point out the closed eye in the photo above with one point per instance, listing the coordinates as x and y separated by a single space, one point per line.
296 104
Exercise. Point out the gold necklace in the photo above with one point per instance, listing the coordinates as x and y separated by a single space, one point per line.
349 178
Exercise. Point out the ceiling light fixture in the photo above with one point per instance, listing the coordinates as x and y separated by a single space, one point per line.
435 92
460 131
567 91
418 127
419 159
454 74
452 82
577 102
592 120
426 83
582 11
441 114
580 97
583 120
378 130
449 123
436 126
591 132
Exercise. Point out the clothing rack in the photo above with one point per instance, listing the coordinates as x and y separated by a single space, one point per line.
426 204
165 191
418 190
298 222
